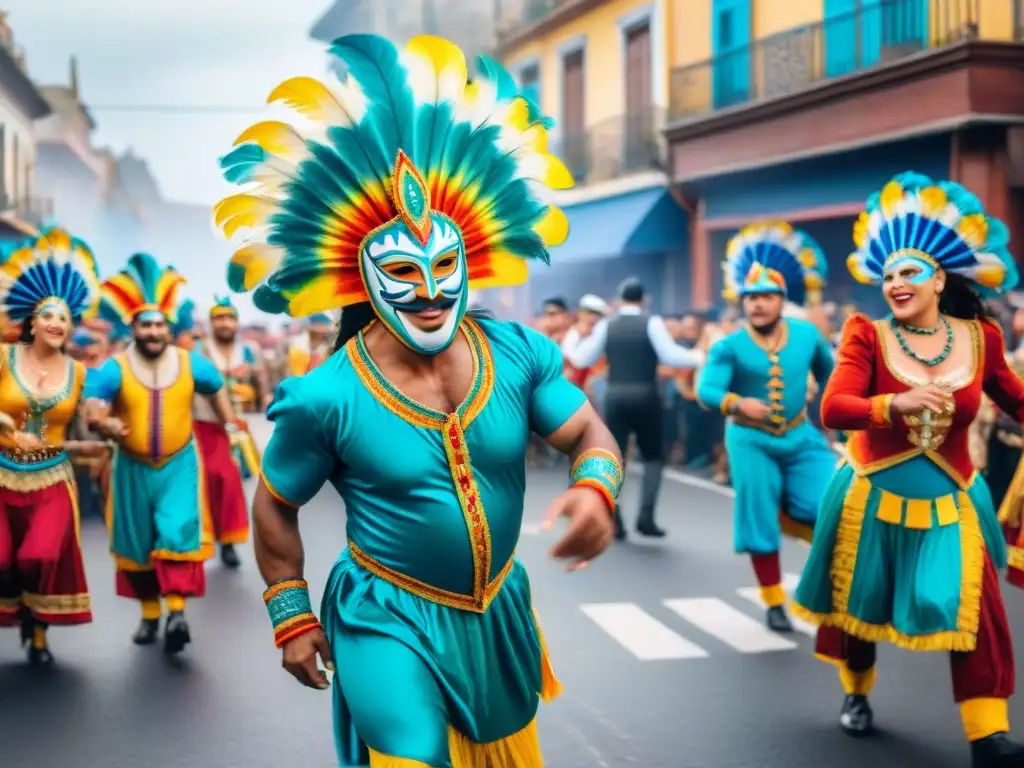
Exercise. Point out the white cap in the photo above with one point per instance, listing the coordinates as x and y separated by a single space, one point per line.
592 303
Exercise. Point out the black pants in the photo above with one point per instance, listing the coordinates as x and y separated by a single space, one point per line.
643 417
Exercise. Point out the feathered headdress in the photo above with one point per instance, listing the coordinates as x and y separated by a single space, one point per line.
51 267
222 307
772 257
142 286
185 320
406 134
940 223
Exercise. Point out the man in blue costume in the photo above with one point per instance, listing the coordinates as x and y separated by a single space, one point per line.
758 376
425 188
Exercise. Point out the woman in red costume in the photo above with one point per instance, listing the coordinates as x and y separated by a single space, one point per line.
907 544
46 288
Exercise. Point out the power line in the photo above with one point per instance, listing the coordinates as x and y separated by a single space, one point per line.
182 109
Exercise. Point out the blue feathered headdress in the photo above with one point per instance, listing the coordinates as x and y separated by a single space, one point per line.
52 266
186 320
772 257
142 286
940 223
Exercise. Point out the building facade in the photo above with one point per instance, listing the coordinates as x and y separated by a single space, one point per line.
799 109
600 69
22 209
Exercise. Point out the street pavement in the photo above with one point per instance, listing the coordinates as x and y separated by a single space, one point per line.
659 646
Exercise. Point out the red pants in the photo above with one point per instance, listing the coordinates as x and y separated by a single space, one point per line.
41 566
223 484
987 672
167 577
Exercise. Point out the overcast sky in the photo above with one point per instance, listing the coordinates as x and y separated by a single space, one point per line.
177 52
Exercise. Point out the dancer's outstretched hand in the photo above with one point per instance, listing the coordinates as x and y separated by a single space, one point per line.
591 528
299 654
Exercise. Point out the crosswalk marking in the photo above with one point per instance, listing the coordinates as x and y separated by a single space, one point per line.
640 633
731 626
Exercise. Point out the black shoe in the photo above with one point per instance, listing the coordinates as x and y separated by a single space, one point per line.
229 556
39 657
650 529
777 620
146 632
176 633
857 719
620 528
997 751
27 623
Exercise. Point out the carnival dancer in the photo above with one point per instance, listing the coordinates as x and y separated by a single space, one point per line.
633 344
46 288
157 510
757 376
226 460
420 418
310 348
183 327
238 360
907 543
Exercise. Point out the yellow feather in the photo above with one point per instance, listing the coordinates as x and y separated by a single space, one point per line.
991 275
808 258
553 228
318 295
860 231
518 115
275 137
444 60
933 200
892 195
508 270
973 229
233 213
853 264
257 259
556 175
310 98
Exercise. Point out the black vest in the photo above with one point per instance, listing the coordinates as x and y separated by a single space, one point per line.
632 361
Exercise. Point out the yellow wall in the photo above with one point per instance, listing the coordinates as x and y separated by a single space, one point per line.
689 31
771 16
605 95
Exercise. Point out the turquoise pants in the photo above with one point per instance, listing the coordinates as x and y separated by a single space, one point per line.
770 473
158 512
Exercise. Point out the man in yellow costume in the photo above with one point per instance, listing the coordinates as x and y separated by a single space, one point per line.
157 510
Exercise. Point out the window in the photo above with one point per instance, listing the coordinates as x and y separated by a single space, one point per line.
725 30
529 83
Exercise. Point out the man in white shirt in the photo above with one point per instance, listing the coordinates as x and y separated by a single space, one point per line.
634 344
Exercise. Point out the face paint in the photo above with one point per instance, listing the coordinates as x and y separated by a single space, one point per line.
404 277
923 270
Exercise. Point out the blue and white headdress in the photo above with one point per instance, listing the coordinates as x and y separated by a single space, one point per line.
937 225
772 257
53 268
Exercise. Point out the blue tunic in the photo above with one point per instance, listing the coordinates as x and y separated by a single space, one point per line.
428 613
786 463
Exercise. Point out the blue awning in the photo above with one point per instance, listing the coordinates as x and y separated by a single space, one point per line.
647 221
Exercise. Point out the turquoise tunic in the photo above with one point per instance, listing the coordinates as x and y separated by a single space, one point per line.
428 613
784 464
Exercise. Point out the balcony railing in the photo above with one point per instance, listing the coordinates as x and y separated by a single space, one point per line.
779 65
613 148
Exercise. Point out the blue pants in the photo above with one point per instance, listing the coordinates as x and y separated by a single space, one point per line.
773 474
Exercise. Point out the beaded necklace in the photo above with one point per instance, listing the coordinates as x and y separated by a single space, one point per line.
898 328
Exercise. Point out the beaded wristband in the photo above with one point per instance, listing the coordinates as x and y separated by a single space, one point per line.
729 403
290 610
600 470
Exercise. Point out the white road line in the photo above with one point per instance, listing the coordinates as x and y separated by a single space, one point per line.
731 626
640 633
